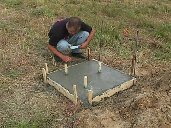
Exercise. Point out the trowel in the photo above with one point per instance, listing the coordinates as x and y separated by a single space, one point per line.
74 47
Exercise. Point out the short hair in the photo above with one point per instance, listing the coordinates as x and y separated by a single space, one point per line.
74 22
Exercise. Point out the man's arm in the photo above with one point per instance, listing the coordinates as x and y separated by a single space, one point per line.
91 35
59 54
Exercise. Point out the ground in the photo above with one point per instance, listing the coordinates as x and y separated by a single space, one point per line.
146 104
27 102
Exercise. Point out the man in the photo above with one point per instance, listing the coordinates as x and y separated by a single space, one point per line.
69 36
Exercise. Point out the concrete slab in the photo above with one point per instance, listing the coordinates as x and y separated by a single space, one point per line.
102 84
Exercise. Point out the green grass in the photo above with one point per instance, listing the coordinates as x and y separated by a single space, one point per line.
13 73
38 121
108 18
13 3
165 53
22 124
43 11
163 31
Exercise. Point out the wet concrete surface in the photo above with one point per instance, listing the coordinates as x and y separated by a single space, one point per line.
107 79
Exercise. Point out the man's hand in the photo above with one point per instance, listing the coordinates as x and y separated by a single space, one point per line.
66 58
91 35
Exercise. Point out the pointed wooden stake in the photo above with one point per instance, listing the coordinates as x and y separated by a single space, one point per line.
100 67
53 60
66 69
75 93
90 96
46 68
88 53
44 75
85 81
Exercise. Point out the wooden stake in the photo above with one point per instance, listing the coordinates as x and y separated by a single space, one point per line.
75 93
44 75
53 60
134 54
90 96
133 67
66 69
46 68
88 53
85 81
137 41
100 66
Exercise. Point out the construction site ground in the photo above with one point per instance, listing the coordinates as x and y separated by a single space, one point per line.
147 104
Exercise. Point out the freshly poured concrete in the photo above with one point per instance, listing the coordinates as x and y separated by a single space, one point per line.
97 82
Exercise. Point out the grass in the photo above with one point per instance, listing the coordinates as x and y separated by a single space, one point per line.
36 122
141 16
22 124
43 11
13 3
13 73
163 31
25 24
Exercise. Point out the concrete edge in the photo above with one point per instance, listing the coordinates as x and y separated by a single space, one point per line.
111 92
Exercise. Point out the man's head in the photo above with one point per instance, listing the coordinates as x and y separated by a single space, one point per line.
73 25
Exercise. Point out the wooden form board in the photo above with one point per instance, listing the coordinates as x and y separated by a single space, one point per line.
92 95
98 98
65 92
114 90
